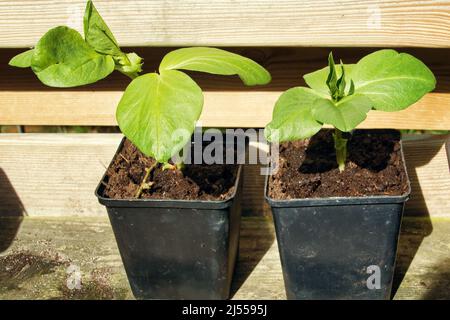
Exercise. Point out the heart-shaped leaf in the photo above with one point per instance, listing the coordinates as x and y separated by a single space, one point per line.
392 80
63 59
292 117
158 112
216 61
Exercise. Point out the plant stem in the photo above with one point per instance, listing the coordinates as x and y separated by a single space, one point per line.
178 166
132 76
340 144
144 184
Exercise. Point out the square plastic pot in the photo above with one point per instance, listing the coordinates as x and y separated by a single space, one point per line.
338 247
177 249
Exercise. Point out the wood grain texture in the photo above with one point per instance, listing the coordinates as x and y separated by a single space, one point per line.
428 170
423 260
220 110
56 174
239 23
25 101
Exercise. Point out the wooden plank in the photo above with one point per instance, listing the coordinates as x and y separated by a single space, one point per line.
426 159
240 23
47 174
56 174
447 147
220 110
25 101
43 248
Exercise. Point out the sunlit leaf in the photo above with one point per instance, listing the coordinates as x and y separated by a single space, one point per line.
22 60
392 80
216 61
292 117
158 112
63 59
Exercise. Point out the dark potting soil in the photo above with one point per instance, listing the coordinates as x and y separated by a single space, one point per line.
308 168
194 182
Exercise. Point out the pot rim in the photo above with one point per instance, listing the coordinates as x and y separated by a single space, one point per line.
338 201
164 203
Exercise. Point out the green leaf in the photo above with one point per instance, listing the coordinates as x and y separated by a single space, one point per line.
22 60
332 76
63 59
97 33
216 61
351 90
341 83
317 80
158 112
102 40
292 117
392 80
345 114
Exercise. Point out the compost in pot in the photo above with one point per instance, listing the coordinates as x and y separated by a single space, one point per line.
213 182
308 168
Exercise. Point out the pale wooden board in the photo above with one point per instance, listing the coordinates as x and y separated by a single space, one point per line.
422 271
241 22
56 174
50 174
25 101
427 164
221 109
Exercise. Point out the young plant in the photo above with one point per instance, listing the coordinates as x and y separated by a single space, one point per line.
157 111
342 96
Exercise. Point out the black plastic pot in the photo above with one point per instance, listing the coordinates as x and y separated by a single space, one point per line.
340 247
177 249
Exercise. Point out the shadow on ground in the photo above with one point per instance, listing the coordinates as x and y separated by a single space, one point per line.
12 212
440 282
409 244
257 237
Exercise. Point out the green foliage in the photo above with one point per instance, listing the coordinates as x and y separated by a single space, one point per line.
216 61
393 81
97 33
384 80
342 96
317 80
157 112
344 114
22 60
101 39
62 58
294 104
